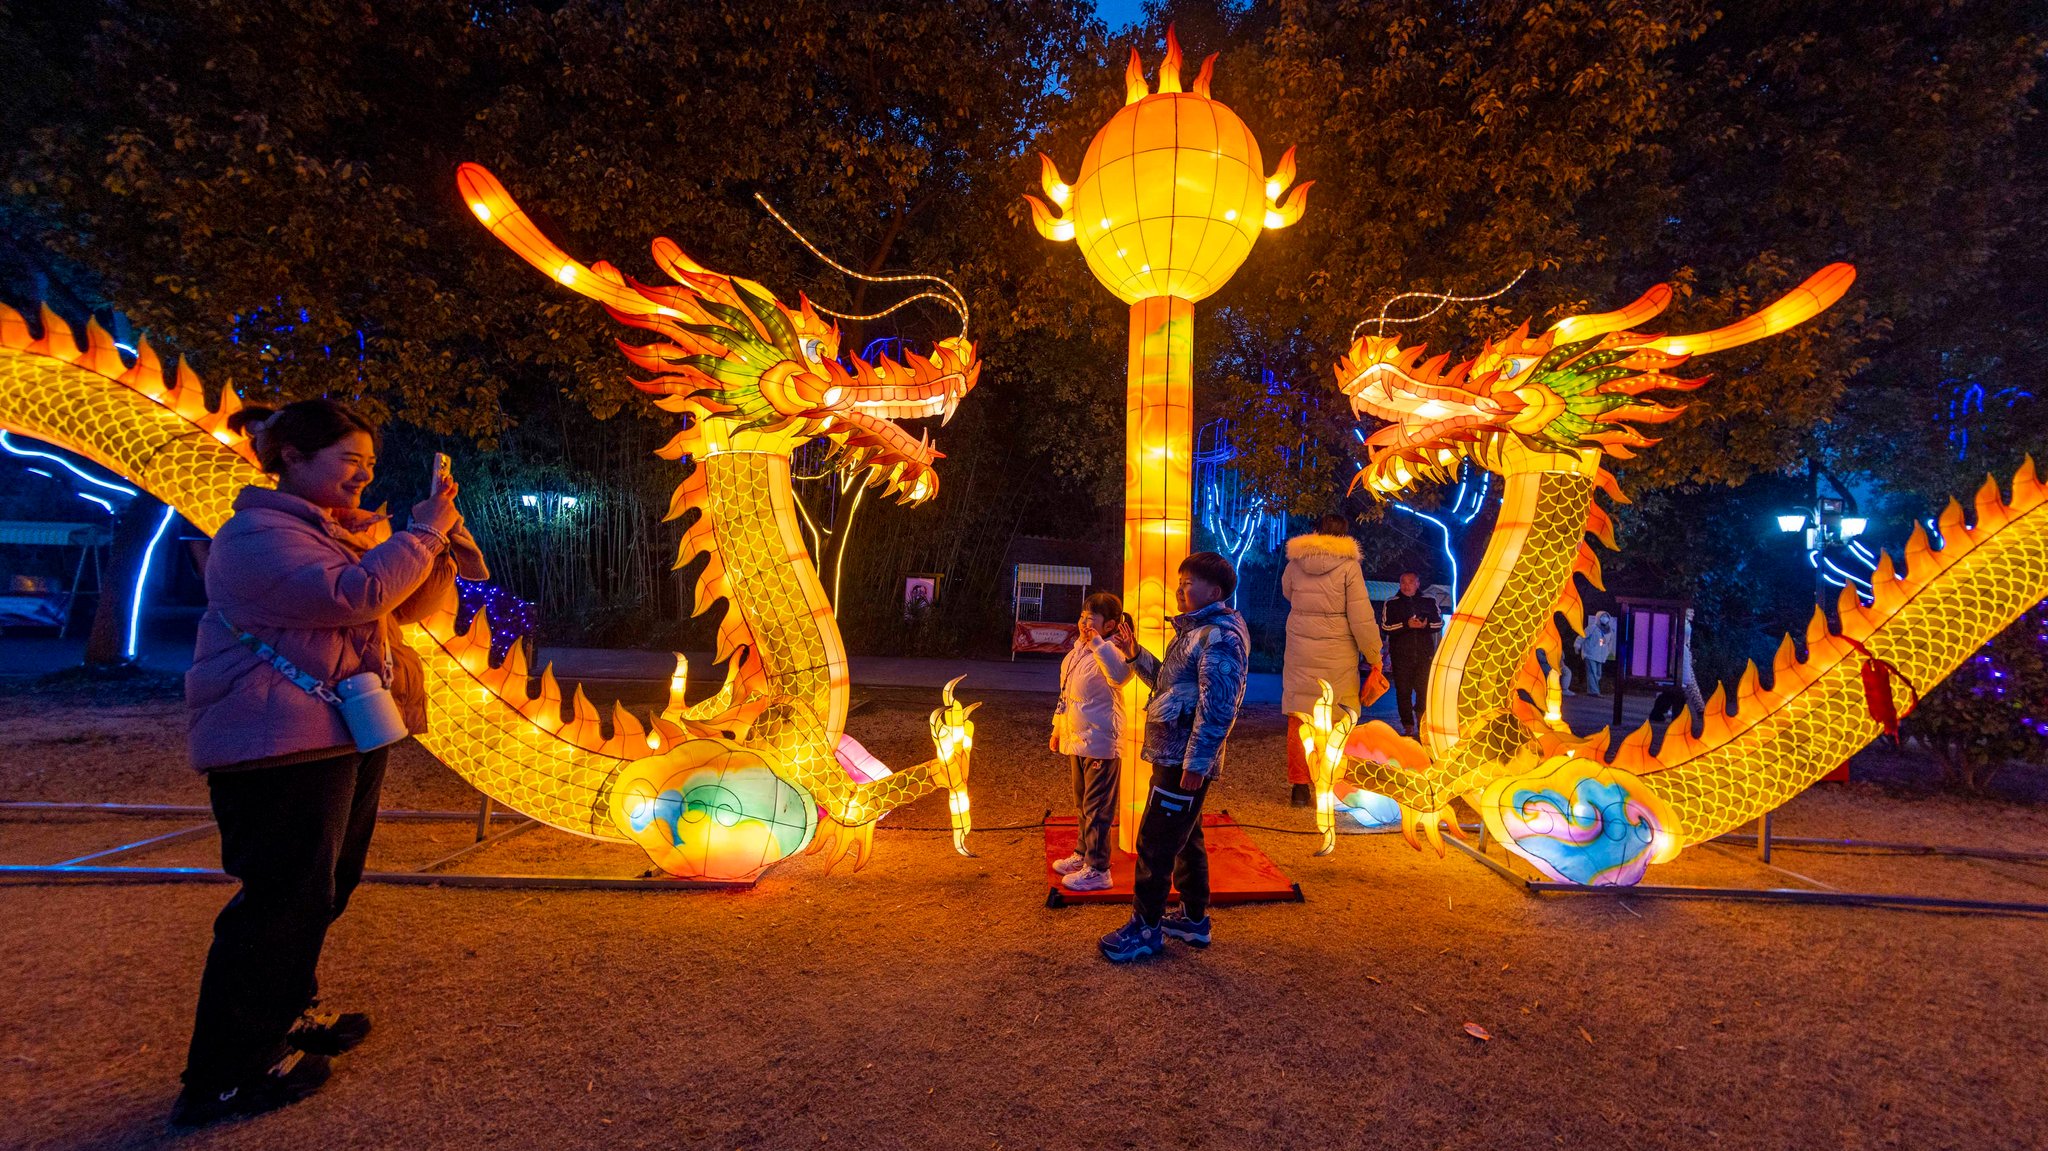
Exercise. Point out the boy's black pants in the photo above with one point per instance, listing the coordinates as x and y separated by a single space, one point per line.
296 837
1170 849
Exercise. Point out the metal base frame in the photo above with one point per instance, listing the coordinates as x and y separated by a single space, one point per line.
1819 894
94 868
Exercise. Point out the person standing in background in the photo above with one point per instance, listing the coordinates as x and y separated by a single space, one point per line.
1330 628
1411 622
1597 646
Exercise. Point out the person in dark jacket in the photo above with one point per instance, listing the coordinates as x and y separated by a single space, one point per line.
1411 622
1196 691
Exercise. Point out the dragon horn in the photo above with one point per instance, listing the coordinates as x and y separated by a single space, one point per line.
502 215
1574 328
1793 308
947 692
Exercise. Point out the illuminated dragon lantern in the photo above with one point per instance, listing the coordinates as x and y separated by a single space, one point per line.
1542 411
718 790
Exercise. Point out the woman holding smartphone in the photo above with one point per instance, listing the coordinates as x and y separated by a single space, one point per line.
305 592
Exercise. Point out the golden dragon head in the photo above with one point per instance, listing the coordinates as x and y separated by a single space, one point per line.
1577 387
753 374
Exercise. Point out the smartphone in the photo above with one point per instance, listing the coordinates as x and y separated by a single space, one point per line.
443 475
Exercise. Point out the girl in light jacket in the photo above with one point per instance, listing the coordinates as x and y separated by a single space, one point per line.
303 570
1330 627
1085 729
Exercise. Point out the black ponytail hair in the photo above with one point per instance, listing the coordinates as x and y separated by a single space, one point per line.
306 426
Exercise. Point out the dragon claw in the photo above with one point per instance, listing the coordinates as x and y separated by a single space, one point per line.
837 841
1431 824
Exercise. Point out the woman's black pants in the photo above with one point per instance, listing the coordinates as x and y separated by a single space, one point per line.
296 837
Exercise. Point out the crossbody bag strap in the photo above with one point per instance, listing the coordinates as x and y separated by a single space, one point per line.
310 684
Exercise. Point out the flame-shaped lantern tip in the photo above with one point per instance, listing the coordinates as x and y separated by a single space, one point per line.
1169 68
1281 214
1055 186
1049 223
1135 88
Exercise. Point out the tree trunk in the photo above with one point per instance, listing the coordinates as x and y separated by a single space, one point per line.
107 645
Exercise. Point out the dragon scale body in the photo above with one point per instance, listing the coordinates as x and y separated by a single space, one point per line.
1925 620
495 726
765 570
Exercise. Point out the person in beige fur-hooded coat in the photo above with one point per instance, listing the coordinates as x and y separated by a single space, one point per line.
1330 627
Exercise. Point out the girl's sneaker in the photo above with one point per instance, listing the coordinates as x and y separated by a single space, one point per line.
1133 940
1071 864
1087 879
1193 932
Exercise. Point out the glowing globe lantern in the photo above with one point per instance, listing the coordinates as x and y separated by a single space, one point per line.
1171 196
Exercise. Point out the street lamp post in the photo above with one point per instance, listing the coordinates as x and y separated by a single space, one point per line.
1826 521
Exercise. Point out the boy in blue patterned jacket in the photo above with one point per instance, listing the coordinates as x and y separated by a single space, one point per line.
1196 690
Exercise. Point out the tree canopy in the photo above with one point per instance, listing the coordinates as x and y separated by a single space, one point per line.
269 189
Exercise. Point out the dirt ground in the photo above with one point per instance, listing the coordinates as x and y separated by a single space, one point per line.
933 1001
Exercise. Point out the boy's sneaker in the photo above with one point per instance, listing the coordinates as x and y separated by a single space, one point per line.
1088 879
327 1032
1132 941
291 1079
1071 864
1193 932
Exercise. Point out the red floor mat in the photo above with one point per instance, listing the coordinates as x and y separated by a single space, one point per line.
1238 871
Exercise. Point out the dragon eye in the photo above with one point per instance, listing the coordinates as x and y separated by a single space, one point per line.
814 350
1515 367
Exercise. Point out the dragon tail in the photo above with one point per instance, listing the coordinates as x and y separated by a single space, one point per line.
1924 619
495 726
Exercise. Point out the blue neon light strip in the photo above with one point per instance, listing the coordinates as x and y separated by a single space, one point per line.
95 499
67 465
1446 532
142 579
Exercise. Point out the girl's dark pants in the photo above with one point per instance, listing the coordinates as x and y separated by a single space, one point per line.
296 837
1170 850
1095 799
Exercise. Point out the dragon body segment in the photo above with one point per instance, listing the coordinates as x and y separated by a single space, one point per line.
722 789
1543 412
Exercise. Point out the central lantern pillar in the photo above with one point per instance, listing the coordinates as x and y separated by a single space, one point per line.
1172 194
1159 432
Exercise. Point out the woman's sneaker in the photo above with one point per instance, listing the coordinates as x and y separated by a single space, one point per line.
1071 864
289 1080
1193 932
1133 940
1087 879
327 1032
